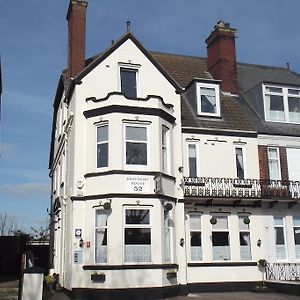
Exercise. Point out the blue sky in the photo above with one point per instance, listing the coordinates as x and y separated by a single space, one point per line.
33 47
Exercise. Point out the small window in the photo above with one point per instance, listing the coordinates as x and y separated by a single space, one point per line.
102 146
274 163
164 148
136 145
128 82
239 162
192 157
137 236
208 99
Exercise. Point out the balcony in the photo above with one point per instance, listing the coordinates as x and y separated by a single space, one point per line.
207 187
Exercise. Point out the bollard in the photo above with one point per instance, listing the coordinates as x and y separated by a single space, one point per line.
32 284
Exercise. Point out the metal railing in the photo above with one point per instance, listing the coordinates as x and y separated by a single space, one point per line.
240 188
283 271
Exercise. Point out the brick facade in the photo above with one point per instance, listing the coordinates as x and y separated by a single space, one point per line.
283 164
263 162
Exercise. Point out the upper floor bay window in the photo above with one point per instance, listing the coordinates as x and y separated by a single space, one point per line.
136 145
137 235
101 236
239 162
282 104
274 163
102 146
208 99
128 78
164 148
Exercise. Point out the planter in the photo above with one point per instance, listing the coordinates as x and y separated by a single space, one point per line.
171 274
98 277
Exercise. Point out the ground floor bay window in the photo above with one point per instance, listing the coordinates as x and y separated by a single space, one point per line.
137 235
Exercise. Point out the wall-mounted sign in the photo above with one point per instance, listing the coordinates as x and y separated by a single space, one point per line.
78 257
78 233
137 184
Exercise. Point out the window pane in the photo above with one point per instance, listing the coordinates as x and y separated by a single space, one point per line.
102 134
137 216
296 221
294 92
220 238
222 223
294 109
136 153
239 162
101 218
196 248
101 246
279 236
101 236
297 235
242 225
128 82
275 108
137 236
136 133
273 89
195 238
245 246
102 155
195 222
221 248
273 153
192 160
278 221
208 100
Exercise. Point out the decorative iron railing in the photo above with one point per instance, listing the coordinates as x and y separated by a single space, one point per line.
240 188
283 271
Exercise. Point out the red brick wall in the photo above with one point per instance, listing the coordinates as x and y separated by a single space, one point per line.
263 162
283 163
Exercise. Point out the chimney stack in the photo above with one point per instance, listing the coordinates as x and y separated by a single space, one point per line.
76 17
221 57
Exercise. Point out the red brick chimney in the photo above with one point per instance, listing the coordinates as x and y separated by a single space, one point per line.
221 59
76 36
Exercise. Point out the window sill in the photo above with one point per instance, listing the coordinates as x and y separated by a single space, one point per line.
130 267
224 264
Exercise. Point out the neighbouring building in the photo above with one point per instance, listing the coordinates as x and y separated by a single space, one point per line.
171 173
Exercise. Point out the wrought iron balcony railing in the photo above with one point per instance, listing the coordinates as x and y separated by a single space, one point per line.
240 188
283 271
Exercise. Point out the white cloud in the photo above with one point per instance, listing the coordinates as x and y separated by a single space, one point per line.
26 189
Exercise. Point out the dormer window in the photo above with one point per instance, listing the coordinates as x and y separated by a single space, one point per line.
128 77
282 104
208 99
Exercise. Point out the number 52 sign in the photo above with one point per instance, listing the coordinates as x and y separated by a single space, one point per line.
137 184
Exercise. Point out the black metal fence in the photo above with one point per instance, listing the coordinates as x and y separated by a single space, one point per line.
240 188
283 271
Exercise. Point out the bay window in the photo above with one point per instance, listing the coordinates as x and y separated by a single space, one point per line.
136 144
137 235
102 146
168 235
195 237
220 239
101 236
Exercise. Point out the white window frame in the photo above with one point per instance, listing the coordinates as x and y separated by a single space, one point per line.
285 94
295 245
132 166
244 160
244 230
284 237
214 229
170 215
194 230
95 239
165 149
136 68
278 159
105 142
197 158
127 207
216 87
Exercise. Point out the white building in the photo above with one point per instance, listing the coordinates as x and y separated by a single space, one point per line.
155 171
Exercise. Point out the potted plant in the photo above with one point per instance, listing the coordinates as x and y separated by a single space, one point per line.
50 283
98 277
